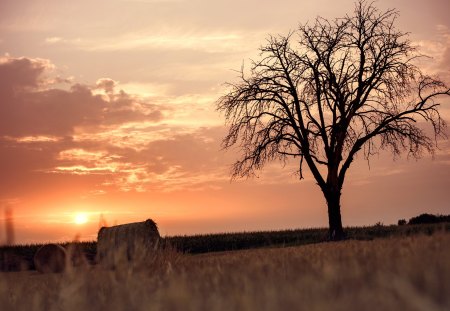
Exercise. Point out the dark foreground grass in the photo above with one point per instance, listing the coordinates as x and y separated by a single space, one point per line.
20 257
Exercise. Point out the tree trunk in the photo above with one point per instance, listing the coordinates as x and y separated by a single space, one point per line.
336 232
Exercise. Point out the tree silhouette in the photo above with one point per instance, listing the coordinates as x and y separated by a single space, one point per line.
327 91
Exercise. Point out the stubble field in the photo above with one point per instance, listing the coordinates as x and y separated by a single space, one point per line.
400 273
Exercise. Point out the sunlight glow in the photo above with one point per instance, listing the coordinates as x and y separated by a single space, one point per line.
81 218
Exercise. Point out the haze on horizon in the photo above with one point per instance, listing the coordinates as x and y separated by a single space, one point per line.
107 115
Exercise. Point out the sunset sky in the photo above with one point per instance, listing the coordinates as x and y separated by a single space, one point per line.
107 114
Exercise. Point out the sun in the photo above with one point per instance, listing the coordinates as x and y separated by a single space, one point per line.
80 218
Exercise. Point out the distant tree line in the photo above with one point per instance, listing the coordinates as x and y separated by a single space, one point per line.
425 219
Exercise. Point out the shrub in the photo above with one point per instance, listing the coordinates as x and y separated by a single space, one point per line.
429 219
401 222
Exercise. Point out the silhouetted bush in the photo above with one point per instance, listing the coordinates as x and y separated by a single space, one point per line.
401 222
429 219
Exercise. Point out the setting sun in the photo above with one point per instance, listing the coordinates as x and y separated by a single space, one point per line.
81 218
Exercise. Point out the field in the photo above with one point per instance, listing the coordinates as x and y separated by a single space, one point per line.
20 257
400 272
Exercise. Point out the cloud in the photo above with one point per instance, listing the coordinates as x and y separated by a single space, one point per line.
111 139
437 48
106 84
153 1
31 106
53 39
172 161
174 40
21 73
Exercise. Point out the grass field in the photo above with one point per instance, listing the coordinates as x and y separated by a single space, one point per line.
407 272
20 257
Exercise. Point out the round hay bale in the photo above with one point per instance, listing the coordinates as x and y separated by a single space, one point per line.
126 242
50 258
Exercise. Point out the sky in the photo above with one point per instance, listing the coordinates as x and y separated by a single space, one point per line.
107 116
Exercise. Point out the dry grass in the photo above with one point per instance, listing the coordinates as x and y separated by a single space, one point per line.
407 273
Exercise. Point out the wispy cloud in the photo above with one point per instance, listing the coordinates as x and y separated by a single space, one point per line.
437 48
213 42
153 1
33 139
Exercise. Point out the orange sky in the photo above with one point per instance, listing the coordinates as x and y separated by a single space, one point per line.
108 108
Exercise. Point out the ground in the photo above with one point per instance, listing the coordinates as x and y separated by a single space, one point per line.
401 273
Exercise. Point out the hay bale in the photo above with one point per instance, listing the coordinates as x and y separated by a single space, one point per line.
126 242
50 258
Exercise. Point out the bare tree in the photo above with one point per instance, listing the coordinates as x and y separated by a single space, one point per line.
327 91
